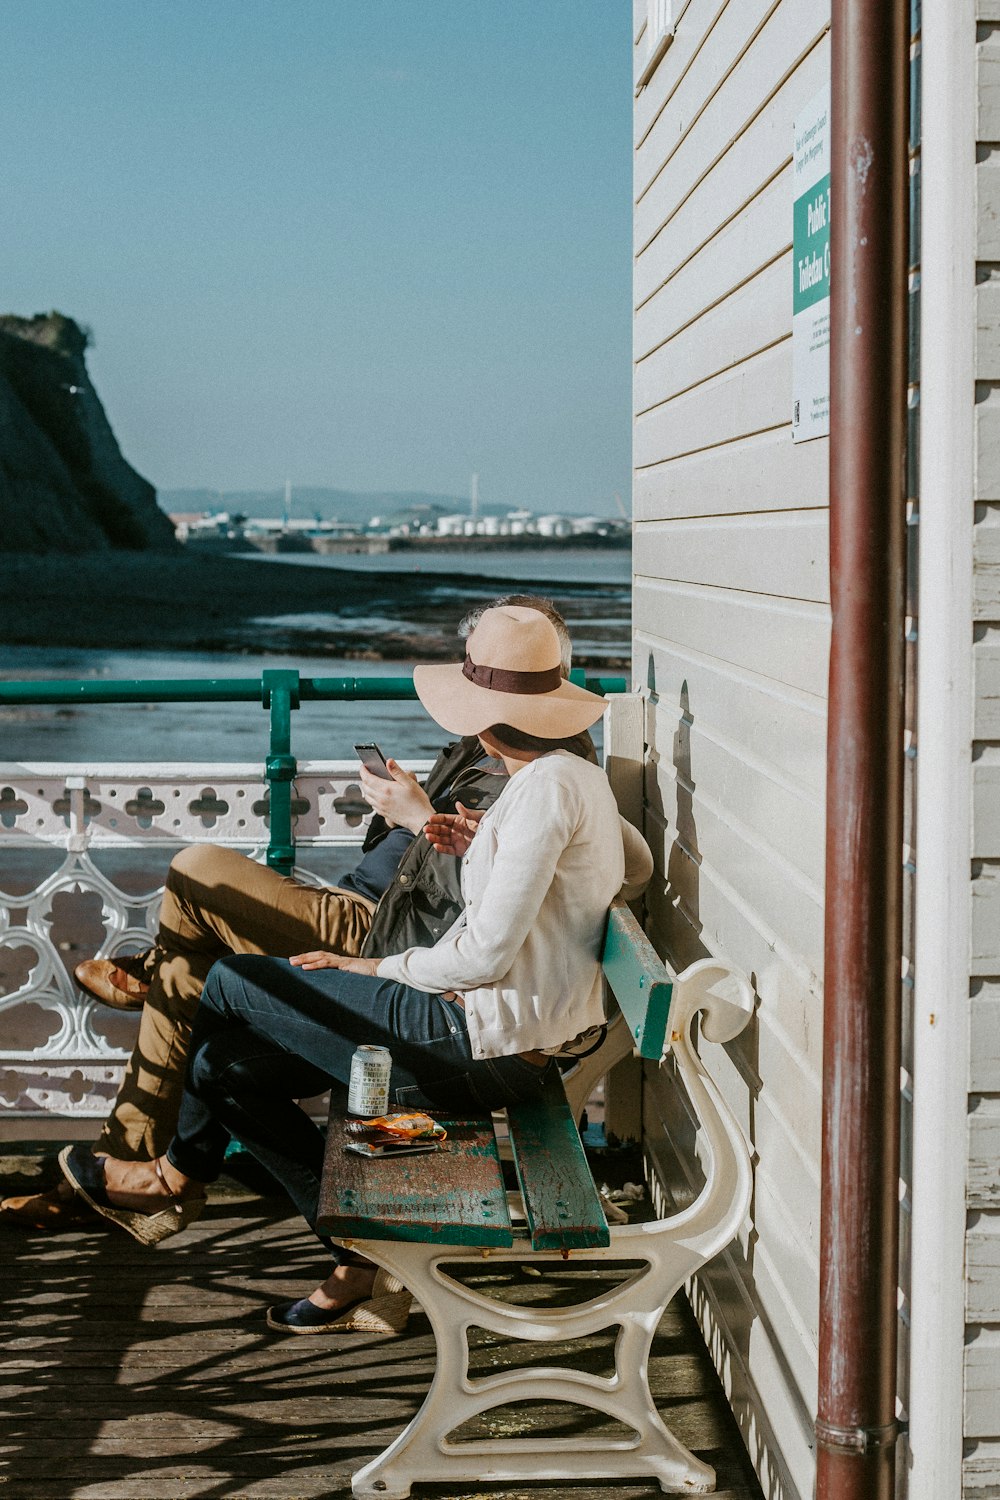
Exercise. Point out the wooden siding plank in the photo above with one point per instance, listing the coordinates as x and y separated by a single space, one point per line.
776 1417
986 658
988 327
988 88
986 808
693 25
983 1187
984 1037
988 207
776 638
982 1361
638 19
729 191
694 201
751 241
786 1303
766 471
754 47
753 397
986 920
981 1463
784 1041
783 554
982 1270
744 324
755 1357
778 728
986 533
780 821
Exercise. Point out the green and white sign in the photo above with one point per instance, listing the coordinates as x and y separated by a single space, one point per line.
811 271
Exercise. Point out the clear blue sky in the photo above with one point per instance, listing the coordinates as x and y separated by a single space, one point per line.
363 243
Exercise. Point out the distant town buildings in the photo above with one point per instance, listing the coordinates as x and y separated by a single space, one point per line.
229 526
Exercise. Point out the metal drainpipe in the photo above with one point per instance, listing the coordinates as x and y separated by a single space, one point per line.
855 1424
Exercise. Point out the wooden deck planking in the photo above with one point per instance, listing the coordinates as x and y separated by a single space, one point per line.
136 1374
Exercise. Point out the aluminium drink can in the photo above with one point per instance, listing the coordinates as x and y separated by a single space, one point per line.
368 1091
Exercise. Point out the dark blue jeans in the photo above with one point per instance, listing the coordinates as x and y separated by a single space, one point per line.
267 1034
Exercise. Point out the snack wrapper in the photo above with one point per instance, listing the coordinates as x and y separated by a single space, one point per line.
400 1126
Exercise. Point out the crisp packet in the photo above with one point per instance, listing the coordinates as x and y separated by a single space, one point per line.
401 1126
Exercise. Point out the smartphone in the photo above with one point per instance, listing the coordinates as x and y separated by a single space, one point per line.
373 760
392 1148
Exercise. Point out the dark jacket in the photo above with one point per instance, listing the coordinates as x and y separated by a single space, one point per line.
425 895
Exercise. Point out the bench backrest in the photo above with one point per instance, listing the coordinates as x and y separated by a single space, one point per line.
640 981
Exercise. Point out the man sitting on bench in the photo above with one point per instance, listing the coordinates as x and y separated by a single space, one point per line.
473 1023
217 902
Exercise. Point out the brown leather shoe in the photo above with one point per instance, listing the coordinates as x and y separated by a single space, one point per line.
108 981
57 1210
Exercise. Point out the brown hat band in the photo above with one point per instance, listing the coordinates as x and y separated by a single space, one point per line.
499 680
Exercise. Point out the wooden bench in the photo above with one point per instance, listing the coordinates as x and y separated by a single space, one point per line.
417 1214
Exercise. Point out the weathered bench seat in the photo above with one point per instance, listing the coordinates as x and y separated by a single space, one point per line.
416 1215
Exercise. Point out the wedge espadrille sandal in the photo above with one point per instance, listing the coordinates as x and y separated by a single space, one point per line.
385 1310
85 1174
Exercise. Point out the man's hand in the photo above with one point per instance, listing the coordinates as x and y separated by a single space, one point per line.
452 833
320 960
402 802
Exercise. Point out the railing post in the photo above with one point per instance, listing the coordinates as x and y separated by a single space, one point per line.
280 693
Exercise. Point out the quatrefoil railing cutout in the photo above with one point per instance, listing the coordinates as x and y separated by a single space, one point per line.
209 807
144 807
12 806
262 809
91 807
351 805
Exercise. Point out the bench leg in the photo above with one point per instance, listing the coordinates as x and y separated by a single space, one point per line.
664 1253
424 1452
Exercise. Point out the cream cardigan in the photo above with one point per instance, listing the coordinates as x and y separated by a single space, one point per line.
547 860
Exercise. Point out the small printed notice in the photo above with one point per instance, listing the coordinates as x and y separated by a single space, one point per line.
811 272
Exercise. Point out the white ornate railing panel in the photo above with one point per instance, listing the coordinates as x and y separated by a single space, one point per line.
65 895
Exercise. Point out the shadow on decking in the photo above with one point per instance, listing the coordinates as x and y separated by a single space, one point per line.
137 1374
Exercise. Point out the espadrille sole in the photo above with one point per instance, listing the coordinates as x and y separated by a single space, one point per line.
148 1229
386 1311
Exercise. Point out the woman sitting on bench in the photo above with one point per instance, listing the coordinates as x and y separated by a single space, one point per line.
472 1024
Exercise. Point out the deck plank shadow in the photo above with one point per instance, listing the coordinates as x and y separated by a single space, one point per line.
136 1374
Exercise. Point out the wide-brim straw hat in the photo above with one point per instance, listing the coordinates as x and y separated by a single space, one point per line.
511 675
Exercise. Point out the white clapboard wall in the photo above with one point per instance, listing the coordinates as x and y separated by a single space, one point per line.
731 639
982 1343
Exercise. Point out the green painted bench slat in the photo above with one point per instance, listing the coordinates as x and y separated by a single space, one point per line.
455 1197
635 972
561 1203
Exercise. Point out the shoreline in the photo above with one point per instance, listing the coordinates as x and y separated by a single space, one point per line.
176 601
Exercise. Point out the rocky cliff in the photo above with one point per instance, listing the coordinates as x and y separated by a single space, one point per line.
64 485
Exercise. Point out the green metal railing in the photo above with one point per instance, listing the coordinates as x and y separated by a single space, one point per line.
280 690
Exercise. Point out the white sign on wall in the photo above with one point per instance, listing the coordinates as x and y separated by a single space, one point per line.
811 271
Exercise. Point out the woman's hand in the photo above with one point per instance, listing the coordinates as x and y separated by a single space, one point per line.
321 960
402 802
452 833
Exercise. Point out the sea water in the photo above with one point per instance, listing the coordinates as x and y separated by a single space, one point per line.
239 731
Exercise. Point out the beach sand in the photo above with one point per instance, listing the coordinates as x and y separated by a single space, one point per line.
182 601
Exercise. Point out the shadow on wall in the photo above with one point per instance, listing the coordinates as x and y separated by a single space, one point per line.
723 1298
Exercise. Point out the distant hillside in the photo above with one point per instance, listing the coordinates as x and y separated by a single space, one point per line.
307 502
64 485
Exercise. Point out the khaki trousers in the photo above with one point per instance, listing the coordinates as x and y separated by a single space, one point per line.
216 902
